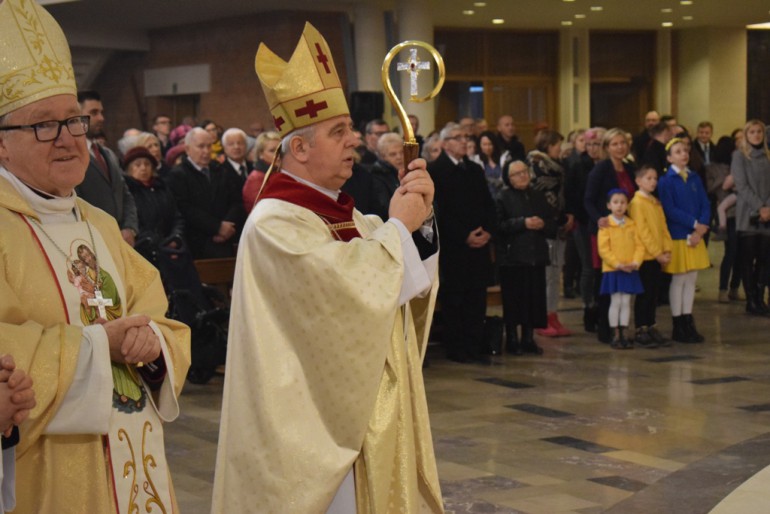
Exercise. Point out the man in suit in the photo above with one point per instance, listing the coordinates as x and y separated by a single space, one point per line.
234 145
209 198
466 219
703 144
161 127
655 153
374 129
642 140
103 185
508 140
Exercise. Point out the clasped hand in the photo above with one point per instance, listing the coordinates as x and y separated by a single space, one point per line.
132 340
478 238
534 223
628 268
226 231
17 398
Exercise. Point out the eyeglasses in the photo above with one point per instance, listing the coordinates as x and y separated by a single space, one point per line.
50 130
459 137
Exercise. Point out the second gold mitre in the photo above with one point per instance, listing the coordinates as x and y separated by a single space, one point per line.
35 59
304 90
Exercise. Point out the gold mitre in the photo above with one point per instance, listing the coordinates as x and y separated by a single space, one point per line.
35 60
304 90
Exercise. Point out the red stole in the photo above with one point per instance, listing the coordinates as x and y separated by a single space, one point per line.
338 215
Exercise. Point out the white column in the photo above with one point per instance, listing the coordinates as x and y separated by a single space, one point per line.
416 23
663 98
574 80
712 78
369 46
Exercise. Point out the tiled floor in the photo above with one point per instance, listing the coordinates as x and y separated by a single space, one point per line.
582 428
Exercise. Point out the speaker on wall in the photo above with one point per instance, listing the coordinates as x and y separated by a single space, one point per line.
366 106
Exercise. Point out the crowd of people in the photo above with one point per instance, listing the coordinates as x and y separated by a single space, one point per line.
624 216
603 214
199 182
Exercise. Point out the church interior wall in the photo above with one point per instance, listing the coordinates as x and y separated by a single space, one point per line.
712 78
229 47
519 63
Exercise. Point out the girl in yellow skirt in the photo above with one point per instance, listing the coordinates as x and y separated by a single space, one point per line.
688 213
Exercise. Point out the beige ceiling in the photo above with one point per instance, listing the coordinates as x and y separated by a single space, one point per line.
140 15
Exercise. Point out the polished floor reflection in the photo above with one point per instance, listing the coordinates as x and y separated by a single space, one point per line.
581 429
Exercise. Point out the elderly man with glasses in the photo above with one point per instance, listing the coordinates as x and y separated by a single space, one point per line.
465 214
80 311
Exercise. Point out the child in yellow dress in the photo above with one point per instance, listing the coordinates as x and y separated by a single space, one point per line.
688 213
647 213
621 252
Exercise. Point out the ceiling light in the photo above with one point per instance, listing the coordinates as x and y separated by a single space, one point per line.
566 23
687 18
498 21
686 2
580 16
568 1
667 10
469 12
666 24
479 4
597 8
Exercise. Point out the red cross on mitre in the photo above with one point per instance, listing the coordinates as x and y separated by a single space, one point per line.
278 122
311 109
322 58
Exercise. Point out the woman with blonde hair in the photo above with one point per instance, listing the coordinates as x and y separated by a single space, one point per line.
610 173
152 144
750 169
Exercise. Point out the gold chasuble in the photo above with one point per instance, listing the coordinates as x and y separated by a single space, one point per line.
323 370
56 278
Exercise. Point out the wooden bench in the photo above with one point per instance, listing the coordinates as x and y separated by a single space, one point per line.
218 273
494 296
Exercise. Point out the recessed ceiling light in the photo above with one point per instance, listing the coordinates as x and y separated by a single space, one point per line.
687 18
566 23
498 21
567 0
597 8
666 24
479 4
686 2
469 12
666 10
580 16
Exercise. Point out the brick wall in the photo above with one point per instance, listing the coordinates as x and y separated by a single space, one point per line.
229 47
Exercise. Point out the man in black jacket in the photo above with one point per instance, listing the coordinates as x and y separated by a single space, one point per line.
466 219
209 198
506 134
103 185
234 146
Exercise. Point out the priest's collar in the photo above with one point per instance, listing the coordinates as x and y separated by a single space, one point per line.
45 205
334 195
